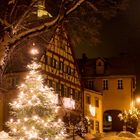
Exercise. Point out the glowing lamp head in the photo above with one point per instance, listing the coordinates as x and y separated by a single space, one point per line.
34 51
138 100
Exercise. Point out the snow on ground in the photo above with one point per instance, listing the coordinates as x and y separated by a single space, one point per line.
124 135
118 138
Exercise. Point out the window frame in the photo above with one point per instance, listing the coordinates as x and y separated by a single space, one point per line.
120 83
88 99
105 84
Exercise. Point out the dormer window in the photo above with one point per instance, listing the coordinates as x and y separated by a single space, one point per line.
99 66
105 84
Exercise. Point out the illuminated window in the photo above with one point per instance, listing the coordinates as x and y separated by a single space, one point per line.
109 118
57 65
105 84
61 65
54 63
72 71
120 84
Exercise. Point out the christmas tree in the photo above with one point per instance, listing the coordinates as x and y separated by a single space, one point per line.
35 110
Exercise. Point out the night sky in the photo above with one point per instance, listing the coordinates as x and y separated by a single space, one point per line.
119 35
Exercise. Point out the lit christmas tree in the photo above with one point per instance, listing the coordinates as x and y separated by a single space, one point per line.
35 110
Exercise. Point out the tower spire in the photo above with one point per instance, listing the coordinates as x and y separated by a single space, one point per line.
41 11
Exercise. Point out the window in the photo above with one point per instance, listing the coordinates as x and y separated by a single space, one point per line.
73 93
90 84
62 90
96 102
54 63
97 126
92 124
61 65
120 84
65 68
88 99
72 71
57 88
14 82
57 65
105 84
68 91
65 91
49 61
109 118
46 59
69 70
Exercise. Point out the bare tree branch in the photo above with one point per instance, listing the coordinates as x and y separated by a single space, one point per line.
41 27
74 6
13 9
4 22
22 18
92 6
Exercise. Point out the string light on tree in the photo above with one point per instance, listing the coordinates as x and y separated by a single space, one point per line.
34 110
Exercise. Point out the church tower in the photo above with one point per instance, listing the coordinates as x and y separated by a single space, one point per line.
41 10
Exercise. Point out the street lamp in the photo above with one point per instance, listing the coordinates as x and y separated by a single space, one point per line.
138 99
137 102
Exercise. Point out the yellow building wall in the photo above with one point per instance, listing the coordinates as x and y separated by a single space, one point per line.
98 111
115 98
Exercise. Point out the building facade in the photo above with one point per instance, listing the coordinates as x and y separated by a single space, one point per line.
116 81
93 110
60 69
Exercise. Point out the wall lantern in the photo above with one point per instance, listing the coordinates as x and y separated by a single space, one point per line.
92 110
